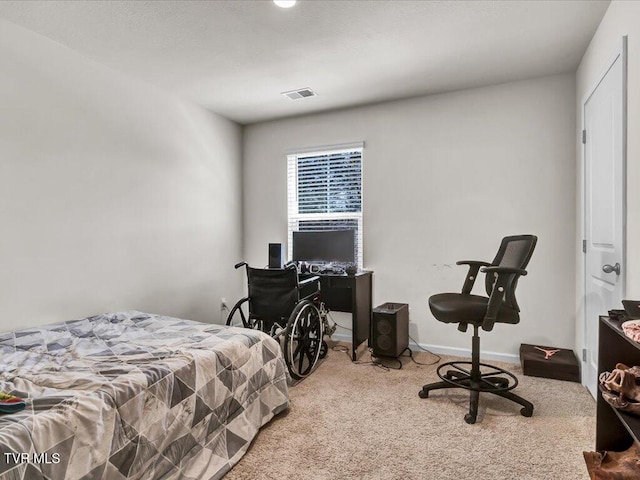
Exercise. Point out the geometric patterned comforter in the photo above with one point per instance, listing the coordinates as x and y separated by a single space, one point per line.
135 396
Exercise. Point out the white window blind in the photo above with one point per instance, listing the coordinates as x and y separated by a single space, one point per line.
325 192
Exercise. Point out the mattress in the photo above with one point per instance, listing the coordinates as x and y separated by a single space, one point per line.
134 395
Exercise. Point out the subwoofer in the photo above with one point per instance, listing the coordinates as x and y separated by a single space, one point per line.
276 255
390 329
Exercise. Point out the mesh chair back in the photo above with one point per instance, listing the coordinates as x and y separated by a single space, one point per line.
514 252
273 293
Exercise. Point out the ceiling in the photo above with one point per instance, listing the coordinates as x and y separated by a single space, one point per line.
236 57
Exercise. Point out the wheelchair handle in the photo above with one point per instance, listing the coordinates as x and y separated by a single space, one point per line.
241 264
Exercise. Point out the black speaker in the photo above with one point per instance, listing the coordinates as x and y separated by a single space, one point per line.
390 329
276 255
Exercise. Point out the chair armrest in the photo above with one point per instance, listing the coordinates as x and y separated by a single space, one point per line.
474 267
473 262
500 289
499 270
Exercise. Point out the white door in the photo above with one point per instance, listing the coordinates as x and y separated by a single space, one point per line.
604 203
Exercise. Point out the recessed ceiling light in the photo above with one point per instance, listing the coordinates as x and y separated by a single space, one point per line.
285 3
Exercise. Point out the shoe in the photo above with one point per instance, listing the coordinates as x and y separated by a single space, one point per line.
622 381
613 465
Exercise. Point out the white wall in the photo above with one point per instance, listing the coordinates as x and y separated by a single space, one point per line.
113 194
622 18
445 177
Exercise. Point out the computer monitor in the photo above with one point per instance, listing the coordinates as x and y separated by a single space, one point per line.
327 246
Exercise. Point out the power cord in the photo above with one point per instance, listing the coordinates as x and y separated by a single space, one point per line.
437 360
346 350
438 357
341 348
375 361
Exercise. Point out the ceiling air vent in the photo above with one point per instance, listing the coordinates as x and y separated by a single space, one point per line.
300 93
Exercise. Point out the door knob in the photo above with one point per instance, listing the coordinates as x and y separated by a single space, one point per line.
608 268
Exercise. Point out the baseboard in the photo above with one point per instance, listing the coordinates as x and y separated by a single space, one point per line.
341 337
466 352
444 350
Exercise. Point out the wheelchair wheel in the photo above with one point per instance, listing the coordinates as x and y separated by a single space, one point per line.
303 340
324 349
239 316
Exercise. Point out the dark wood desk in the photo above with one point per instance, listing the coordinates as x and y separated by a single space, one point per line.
351 294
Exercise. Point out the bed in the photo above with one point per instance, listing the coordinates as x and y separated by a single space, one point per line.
134 395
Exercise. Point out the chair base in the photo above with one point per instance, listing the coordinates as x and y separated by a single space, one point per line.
496 381
490 382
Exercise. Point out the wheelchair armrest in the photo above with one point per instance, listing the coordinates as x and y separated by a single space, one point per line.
309 280
474 267
500 289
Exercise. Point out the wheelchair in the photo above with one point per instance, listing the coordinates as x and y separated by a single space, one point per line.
288 307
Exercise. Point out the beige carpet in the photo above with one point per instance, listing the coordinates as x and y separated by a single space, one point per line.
349 421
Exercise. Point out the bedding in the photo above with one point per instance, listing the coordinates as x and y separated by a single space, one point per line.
135 396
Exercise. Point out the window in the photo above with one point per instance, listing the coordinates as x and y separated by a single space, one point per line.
325 192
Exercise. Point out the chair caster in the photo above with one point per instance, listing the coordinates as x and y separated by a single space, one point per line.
423 393
526 412
470 419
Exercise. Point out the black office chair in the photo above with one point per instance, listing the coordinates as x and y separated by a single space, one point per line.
501 279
